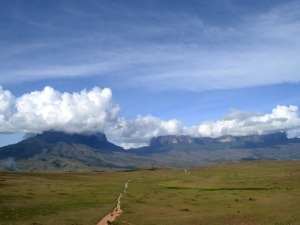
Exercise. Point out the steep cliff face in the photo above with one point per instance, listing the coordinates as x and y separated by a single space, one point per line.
62 151
226 138
97 141
275 138
94 140
171 139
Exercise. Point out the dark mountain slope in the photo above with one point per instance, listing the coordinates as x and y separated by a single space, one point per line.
97 141
23 149
76 157
250 141
49 139
75 152
186 143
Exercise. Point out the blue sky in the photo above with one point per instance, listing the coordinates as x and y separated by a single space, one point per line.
177 65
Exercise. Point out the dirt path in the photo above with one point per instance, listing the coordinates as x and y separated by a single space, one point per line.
117 211
186 172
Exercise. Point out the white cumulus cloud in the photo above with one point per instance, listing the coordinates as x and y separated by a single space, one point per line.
85 111
79 112
282 118
6 103
94 110
138 132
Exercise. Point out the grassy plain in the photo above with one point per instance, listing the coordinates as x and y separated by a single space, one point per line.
260 192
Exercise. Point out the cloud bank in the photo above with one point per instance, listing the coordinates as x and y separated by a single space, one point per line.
282 118
86 111
79 112
95 111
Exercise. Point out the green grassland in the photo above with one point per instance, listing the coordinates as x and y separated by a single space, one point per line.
259 192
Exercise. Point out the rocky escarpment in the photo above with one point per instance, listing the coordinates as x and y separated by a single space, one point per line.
97 140
171 139
61 151
275 138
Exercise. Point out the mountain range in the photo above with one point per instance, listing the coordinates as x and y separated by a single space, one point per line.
59 151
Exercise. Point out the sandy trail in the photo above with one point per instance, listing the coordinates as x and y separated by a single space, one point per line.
186 172
117 211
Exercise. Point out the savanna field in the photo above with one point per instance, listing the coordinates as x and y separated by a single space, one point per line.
258 192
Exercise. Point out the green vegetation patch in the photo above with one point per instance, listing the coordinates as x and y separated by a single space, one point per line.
57 198
259 192
222 189
236 193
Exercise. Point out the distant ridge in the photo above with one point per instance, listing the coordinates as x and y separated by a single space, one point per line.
55 150
240 141
181 142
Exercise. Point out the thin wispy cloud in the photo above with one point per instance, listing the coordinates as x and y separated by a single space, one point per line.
151 47
139 47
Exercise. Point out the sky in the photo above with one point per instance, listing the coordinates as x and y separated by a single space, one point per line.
137 69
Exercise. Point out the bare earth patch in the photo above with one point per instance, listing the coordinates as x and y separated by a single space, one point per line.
116 212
